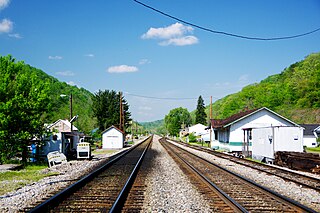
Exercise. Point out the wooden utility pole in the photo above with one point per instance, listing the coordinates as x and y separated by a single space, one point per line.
210 121
120 101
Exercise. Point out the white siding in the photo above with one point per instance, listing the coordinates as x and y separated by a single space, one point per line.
262 118
266 141
309 141
112 139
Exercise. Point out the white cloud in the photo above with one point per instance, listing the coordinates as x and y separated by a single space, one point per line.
4 4
175 34
174 30
90 55
55 57
65 73
182 41
6 26
15 35
71 83
144 61
122 69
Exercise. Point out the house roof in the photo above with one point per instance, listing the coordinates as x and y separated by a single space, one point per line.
309 129
65 122
112 127
222 123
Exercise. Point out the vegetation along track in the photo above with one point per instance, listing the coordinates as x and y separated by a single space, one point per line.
251 196
103 190
300 179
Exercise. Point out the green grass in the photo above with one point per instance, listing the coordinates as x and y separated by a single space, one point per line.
313 149
13 180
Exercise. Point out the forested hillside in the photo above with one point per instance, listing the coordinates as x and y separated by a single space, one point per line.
60 106
294 93
155 126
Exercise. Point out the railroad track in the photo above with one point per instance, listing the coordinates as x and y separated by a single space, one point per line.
300 179
104 190
247 194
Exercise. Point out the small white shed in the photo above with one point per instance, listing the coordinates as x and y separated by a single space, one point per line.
266 141
112 138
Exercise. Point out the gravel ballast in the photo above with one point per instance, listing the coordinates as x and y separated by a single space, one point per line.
168 188
307 197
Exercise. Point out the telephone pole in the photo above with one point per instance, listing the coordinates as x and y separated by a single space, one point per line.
210 121
120 101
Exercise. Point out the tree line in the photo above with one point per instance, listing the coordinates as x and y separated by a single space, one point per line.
29 98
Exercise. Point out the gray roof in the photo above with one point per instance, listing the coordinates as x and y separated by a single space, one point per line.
309 129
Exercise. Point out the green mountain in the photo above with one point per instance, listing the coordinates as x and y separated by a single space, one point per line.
294 93
154 126
60 106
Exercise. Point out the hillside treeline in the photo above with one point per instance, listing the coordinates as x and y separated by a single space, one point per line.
294 93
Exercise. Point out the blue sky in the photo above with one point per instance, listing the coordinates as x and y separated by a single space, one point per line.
123 46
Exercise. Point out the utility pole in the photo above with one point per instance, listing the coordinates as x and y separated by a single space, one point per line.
120 124
210 121
71 112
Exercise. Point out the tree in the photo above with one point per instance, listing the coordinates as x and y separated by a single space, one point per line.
106 108
201 116
176 119
23 104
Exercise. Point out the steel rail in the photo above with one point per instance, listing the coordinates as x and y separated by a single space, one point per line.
288 200
253 165
118 204
60 196
235 204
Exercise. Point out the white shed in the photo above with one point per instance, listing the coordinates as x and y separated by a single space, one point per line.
266 141
112 138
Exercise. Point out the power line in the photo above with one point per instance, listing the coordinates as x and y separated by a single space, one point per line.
162 98
226 33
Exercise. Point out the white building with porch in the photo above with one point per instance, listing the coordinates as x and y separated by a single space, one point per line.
61 138
234 134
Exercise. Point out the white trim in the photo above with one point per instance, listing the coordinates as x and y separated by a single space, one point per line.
258 110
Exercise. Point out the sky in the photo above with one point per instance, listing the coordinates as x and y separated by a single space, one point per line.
159 63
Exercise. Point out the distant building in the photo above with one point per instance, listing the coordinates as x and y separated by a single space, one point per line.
310 134
197 130
112 138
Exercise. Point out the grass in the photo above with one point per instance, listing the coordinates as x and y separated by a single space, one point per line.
313 149
13 180
103 151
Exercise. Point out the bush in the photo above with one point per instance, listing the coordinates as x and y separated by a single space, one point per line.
192 138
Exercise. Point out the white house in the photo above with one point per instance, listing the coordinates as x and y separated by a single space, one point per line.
310 134
234 134
198 129
61 138
112 138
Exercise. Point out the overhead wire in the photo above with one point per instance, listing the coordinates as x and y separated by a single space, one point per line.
225 33
162 98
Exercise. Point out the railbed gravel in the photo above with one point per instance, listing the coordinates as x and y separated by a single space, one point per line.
33 193
166 191
168 188
307 197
